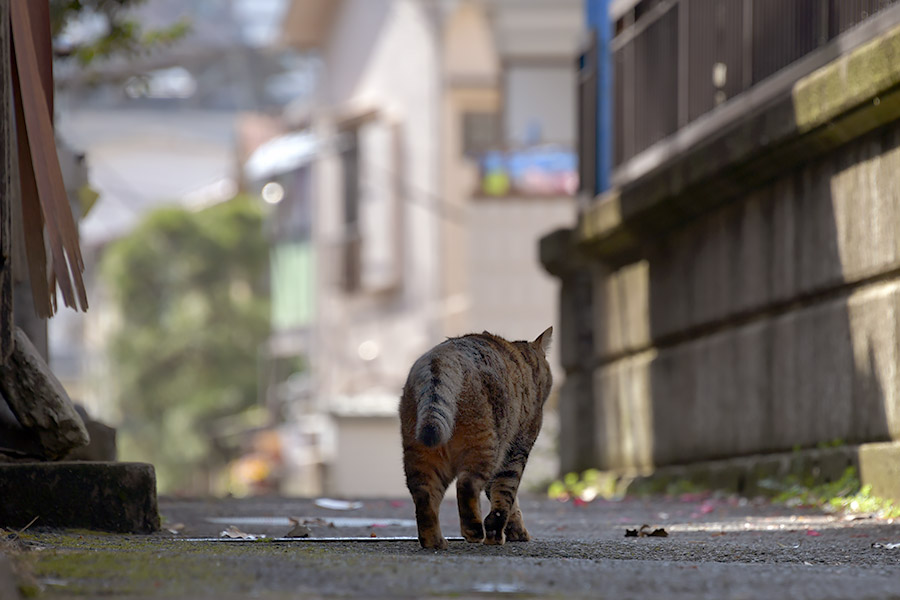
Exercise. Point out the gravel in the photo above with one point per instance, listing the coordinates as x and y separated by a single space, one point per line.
716 548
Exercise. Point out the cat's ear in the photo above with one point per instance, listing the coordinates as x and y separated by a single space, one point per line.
543 341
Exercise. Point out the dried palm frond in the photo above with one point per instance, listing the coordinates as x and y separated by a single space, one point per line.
46 214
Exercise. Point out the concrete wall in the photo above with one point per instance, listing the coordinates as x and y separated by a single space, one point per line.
540 103
509 293
372 461
746 307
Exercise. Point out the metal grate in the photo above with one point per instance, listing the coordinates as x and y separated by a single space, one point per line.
587 110
783 31
715 62
622 111
676 60
845 14
656 81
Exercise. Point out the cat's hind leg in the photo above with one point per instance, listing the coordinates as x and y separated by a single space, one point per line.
502 493
468 495
515 527
427 483
505 519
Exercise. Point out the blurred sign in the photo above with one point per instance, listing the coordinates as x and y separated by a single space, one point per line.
537 171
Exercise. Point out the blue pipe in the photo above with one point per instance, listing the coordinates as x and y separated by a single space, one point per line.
598 21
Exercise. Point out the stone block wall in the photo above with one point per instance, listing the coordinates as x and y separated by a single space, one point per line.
767 321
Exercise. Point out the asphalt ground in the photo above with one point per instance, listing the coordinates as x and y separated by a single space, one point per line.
716 547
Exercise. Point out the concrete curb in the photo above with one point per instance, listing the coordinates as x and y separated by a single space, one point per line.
878 465
105 496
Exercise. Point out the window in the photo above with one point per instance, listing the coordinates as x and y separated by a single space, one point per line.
371 203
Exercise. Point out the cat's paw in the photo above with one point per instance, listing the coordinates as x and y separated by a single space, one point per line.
495 538
434 543
516 532
474 534
494 524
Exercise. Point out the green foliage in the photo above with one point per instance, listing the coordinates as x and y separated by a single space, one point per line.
124 36
587 486
846 494
191 294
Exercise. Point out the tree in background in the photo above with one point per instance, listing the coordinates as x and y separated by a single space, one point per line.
112 30
190 289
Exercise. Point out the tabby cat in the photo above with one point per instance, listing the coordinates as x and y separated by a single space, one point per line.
471 409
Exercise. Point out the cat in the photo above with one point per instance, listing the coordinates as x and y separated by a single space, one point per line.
471 409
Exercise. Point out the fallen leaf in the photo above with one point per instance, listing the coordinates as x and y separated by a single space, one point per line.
299 531
881 546
332 504
646 531
176 528
235 533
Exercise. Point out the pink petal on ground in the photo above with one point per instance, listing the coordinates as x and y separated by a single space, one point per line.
813 533
707 507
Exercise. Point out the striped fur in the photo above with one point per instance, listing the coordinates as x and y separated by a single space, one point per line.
471 410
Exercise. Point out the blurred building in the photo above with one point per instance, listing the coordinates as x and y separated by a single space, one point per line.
158 129
439 147
733 292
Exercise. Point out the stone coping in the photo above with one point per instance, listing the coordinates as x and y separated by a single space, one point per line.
847 98
104 496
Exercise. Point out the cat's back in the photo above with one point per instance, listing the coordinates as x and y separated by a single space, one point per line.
477 357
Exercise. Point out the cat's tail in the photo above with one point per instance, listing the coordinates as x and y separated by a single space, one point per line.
439 383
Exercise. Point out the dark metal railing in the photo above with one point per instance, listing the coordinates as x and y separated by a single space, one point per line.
676 60
587 111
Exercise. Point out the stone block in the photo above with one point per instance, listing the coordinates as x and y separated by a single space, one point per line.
576 335
709 397
15 440
577 441
621 309
38 400
814 375
102 446
833 221
117 497
874 317
623 413
879 466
